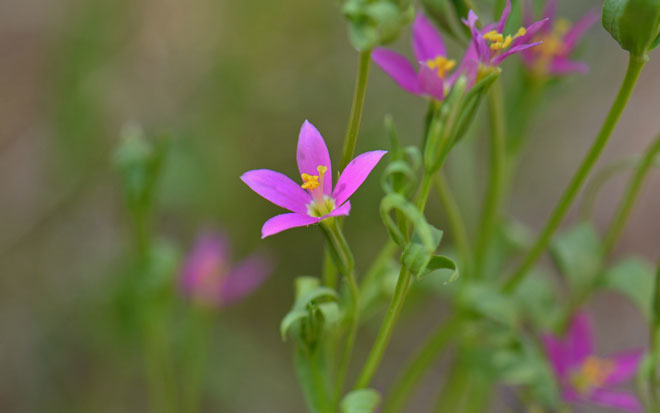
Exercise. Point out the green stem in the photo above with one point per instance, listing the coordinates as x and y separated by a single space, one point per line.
654 347
491 209
420 363
400 291
595 184
456 222
632 192
635 66
360 91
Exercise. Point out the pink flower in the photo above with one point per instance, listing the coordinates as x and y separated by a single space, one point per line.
314 200
586 378
432 77
209 279
491 46
559 40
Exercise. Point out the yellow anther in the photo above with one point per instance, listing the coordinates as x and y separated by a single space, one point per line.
521 32
593 373
441 65
494 36
310 182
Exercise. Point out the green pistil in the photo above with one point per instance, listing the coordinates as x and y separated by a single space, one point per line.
318 210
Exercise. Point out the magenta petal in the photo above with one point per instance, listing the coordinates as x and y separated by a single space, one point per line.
504 17
427 43
515 49
550 11
480 45
398 67
279 223
430 83
577 31
278 189
354 175
625 367
561 66
556 352
341 211
531 30
618 399
208 258
579 342
247 276
312 153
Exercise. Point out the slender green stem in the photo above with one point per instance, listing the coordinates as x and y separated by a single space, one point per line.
491 209
400 291
635 66
601 177
632 192
356 108
421 362
654 347
456 222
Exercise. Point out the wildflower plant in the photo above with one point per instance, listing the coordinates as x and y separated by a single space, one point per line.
515 335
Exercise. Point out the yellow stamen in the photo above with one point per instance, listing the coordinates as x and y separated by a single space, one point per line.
592 374
499 42
310 182
441 65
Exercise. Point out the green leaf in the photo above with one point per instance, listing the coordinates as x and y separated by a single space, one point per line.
577 253
487 300
634 278
360 401
656 42
312 300
290 319
423 230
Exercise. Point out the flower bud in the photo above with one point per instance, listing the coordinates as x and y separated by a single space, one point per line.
374 23
633 23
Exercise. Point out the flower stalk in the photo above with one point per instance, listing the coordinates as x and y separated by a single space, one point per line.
635 65
355 116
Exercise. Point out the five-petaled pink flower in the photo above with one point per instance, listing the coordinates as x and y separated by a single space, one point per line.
584 377
432 79
314 200
491 46
559 40
208 278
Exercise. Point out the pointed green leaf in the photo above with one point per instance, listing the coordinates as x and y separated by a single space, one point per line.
360 401
633 277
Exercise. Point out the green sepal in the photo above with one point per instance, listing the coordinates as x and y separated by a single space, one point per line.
633 24
314 310
360 401
374 23
634 278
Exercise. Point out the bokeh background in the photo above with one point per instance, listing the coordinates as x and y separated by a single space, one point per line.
229 83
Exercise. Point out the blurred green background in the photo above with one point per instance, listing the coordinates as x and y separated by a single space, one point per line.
228 84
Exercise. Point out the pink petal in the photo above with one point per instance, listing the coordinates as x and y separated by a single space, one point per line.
278 189
562 66
579 343
557 354
469 67
528 12
312 153
577 31
246 277
550 11
430 83
504 17
514 49
625 367
480 45
398 67
208 260
341 211
427 43
354 175
279 223
618 399
530 32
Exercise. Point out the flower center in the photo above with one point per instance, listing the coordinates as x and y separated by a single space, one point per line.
499 43
592 374
441 65
553 43
321 204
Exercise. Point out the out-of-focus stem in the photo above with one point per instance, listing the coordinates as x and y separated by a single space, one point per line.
456 222
497 171
356 108
635 65
632 192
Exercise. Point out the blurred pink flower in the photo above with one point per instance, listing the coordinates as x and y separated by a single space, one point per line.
559 39
432 78
586 378
209 278
491 46
314 200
